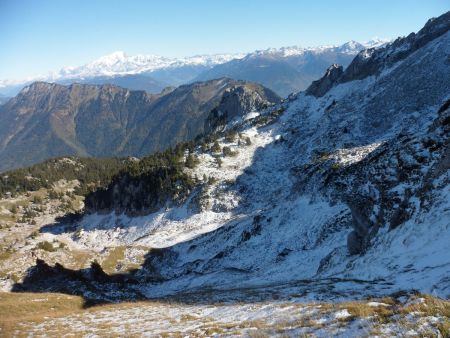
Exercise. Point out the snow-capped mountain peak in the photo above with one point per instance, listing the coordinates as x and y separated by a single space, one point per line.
376 42
113 58
119 63
350 188
351 47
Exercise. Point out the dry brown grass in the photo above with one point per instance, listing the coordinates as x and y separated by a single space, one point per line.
7 218
430 307
32 307
28 310
188 318
258 334
19 311
171 334
444 328
79 259
115 255
213 330
397 313
5 253
41 193
362 310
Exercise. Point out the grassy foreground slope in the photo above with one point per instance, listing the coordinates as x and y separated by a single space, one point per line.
57 315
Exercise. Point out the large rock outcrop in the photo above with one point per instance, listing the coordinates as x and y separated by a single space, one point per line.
238 101
320 87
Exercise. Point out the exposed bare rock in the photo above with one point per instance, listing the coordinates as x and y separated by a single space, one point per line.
373 61
320 87
238 101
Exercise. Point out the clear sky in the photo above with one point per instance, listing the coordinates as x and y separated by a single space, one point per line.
37 36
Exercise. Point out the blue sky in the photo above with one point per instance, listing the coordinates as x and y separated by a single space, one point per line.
37 36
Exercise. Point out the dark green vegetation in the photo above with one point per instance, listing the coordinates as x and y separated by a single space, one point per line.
131 185
90 172
142 186
128 185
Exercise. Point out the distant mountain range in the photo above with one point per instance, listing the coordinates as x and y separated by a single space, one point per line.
141 72
47 120
283 70
287 70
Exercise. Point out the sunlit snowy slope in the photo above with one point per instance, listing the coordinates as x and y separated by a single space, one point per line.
342 195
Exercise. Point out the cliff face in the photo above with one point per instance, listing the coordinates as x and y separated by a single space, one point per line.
324 84
236 102
48 120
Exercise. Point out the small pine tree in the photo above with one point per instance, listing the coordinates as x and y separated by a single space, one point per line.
52 194
231 136
216 147
228 152
204 147
46 246
191 161
219 162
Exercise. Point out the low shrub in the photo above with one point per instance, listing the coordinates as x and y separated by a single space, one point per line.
46 246
228 152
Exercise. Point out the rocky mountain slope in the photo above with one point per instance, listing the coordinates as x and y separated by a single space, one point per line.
48 120
129 81
3 99
340 193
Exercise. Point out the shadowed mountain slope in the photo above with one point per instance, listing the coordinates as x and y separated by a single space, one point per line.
48 120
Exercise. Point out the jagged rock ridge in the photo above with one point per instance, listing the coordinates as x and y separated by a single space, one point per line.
373 61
